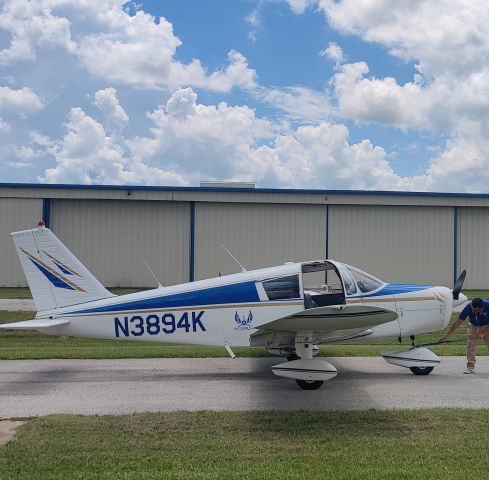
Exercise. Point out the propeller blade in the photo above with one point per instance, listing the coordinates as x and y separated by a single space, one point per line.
457 288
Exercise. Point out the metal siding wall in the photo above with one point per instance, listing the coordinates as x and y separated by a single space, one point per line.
397 244
258 235
473 253
15 214
113 237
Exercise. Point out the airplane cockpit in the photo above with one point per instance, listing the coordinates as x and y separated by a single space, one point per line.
329 282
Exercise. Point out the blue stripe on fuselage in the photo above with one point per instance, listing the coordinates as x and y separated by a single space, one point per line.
238 293
397 289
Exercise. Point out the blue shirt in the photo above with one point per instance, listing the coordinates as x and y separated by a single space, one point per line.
481 318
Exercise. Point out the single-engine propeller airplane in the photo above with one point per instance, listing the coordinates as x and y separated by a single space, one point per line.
288 309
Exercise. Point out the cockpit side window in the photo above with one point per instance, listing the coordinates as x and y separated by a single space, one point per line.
282 288
348 280
365 282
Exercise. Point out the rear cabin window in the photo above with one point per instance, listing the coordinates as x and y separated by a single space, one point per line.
282 288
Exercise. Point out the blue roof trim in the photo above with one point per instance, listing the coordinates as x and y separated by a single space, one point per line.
238 293
397 289
248 190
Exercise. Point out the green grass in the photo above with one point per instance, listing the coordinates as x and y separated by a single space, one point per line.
403 445
30 345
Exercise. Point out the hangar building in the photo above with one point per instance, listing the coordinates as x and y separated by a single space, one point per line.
397 236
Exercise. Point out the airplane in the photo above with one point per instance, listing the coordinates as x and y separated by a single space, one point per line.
289 309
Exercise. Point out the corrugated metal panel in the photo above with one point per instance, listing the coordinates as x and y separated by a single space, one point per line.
257 235
15 214
111 238
396 244
473 226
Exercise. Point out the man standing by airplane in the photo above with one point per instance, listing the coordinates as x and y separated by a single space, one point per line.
478 313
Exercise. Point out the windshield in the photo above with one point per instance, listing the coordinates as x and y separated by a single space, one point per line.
348 280
365 282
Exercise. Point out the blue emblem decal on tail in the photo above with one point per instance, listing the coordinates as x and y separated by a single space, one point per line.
56 281
56 278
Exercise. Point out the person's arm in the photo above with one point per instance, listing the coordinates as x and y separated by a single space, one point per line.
455 326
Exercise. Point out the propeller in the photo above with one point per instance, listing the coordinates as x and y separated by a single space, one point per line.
457 288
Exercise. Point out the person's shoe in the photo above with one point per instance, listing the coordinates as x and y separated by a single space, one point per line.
469 370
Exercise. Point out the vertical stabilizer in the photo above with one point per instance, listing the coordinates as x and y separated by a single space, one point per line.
55 276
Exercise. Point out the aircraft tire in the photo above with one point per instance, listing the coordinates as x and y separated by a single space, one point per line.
421 370
292 357
309 384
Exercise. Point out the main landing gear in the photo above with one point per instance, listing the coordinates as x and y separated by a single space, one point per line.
308 372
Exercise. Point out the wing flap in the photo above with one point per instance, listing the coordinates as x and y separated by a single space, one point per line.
331 318
34 324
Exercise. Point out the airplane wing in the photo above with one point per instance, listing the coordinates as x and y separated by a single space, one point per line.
328 324
328 319
33 325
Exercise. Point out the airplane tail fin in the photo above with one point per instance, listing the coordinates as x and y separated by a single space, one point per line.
55 276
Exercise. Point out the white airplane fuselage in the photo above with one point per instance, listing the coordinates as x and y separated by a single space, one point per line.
228 309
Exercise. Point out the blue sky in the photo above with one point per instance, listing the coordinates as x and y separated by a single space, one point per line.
348 94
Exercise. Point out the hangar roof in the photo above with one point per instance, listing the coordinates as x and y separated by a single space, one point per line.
244 195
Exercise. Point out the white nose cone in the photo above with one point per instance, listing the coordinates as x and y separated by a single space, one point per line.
459 304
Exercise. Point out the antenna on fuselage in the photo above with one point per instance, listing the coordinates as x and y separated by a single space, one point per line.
234 258
154 276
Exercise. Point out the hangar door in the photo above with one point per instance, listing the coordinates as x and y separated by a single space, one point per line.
111 238
258 235
15 214
395 243
473 226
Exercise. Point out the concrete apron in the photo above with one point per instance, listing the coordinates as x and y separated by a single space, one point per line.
14 304
7 430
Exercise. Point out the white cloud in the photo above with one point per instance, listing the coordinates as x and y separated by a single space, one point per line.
321 157
87 155
4 126
22 102
32 25
448 41
334 52
444 35
140 51
191 142
20 164
382 101
299 103
254 20
137 50
300 6
107 102
198 141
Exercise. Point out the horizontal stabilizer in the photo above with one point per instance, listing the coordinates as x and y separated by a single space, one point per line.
34 324
331 318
